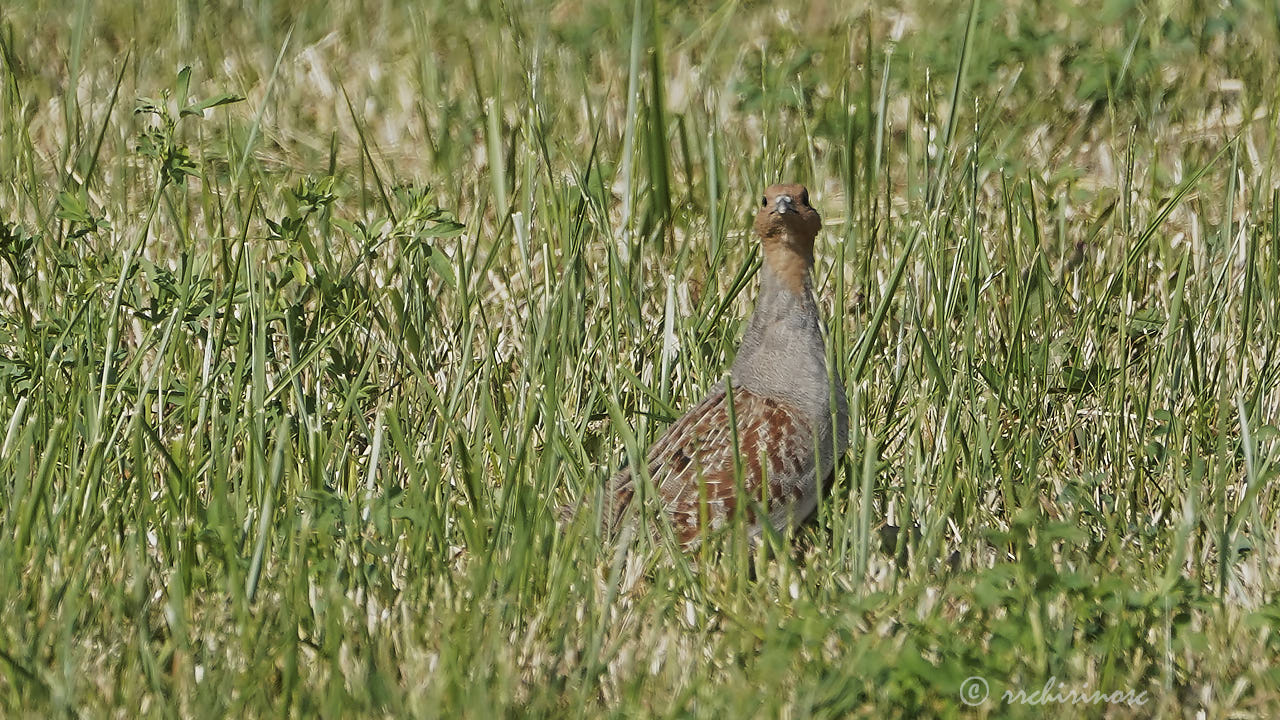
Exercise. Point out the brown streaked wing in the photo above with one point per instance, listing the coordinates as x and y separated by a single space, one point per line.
698 451
622 486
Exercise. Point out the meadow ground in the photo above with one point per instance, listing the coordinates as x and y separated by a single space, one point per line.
301 347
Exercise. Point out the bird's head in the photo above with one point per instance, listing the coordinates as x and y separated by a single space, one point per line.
785 219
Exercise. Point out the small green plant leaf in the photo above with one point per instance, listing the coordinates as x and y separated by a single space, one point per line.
440 263
183 85
198 108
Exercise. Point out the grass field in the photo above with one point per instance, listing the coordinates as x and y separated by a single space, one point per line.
302 346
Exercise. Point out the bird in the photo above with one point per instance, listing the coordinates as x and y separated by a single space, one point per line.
790 410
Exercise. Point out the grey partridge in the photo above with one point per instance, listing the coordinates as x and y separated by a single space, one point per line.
791 413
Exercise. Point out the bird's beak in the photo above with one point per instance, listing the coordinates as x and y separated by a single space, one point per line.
784 204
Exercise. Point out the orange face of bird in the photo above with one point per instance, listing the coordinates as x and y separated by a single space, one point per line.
785 215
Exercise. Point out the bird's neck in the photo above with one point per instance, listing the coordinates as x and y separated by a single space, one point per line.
787 268
786 290
782 348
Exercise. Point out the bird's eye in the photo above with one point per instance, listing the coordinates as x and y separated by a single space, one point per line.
804 197
763 201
